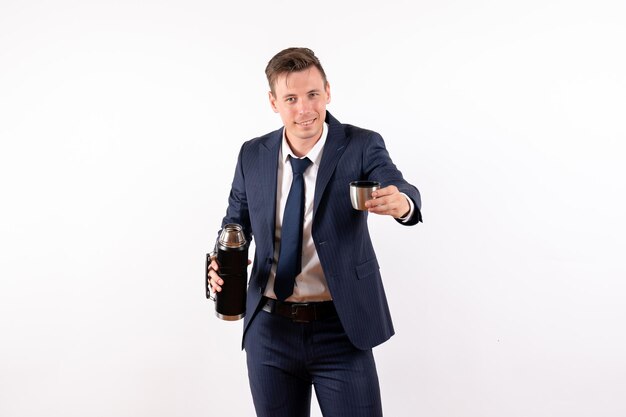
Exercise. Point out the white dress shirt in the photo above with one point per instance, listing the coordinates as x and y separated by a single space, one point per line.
310 284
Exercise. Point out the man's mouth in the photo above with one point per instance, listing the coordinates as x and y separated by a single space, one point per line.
306 123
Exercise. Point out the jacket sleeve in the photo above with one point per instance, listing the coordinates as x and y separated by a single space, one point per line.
237 211
379 167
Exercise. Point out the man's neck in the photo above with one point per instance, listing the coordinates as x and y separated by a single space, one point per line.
301 148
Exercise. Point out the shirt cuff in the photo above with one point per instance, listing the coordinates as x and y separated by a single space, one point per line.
411 211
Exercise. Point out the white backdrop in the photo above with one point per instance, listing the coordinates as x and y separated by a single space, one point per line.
120 122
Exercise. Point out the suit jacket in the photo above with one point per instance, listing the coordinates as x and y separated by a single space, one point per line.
339 232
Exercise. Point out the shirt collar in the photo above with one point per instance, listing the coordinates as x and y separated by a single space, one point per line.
315 154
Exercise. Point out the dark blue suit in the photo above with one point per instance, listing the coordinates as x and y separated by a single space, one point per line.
340 233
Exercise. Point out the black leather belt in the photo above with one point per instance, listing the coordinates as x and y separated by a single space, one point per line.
300 312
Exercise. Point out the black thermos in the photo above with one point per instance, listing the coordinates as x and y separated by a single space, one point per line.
231 251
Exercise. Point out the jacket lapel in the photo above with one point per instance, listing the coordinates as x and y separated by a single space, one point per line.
268 171
336 143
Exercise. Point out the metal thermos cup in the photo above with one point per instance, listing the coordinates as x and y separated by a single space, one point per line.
231 251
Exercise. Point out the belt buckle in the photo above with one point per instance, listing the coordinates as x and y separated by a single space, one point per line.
294 312
268 306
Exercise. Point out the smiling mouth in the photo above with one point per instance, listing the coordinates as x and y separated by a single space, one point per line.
306 122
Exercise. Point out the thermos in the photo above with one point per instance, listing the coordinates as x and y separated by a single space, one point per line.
231 252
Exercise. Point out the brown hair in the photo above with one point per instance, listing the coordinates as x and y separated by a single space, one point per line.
292 60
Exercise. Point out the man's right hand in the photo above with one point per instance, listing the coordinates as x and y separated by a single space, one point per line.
215 282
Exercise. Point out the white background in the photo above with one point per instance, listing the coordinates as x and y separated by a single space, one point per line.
120 123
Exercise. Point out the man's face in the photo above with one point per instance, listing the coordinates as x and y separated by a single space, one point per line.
301 98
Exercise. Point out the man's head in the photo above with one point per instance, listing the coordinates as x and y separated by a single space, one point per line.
292 60
299 93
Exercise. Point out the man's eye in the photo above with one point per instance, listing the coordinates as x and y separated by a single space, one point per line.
290 99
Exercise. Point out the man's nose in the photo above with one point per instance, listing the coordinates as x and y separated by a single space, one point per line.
303 106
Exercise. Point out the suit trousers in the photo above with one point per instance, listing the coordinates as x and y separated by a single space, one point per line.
285 359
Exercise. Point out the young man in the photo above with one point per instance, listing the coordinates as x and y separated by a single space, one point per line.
316 305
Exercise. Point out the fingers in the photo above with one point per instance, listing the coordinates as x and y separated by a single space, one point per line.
214 279
381 192
388 201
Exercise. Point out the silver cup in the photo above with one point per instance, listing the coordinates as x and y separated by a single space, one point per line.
361 191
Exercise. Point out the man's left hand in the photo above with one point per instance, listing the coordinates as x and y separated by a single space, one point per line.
388 201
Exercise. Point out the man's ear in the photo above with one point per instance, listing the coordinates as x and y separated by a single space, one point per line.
270 95
327 88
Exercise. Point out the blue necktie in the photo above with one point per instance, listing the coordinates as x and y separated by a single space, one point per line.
290 258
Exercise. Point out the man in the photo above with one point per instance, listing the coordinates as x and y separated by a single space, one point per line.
316 305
